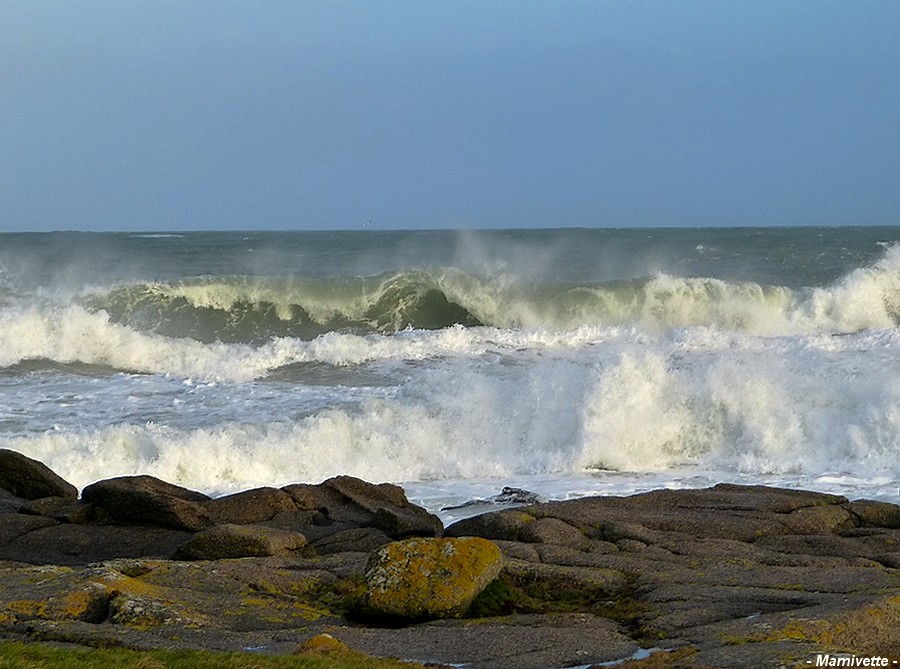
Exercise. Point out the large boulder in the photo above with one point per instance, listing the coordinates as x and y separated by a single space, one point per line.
424 578
29 479
505 525
346 499
250 506
390 511
238 541
151 501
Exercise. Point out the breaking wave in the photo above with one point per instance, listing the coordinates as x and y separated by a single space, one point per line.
244 327
252 309
781 407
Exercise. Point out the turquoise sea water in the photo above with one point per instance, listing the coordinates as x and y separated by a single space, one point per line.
569 361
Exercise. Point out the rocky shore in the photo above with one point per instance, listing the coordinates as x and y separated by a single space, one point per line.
730 576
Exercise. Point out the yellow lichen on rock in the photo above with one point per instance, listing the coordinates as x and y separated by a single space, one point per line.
334 651
868 629
322 644
87 601
429 578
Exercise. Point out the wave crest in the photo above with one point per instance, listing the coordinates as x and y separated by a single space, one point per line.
253 310
243 327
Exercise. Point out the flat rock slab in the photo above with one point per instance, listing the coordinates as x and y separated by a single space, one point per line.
513 642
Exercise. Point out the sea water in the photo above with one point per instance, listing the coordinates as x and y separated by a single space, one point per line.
568 361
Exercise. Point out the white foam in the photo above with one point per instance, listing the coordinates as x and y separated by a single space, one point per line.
73 334
820 410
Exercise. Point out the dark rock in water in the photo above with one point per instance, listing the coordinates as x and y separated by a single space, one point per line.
147 500
517 496
239 541
30 479
249 506
507 495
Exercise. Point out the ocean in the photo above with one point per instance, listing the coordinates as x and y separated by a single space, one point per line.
565 361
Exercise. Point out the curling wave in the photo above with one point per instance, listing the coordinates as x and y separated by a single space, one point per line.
254 310
239 328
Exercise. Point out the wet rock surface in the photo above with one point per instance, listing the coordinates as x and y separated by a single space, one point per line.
731 576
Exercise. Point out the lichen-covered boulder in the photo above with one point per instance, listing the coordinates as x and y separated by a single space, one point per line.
427 578
237 541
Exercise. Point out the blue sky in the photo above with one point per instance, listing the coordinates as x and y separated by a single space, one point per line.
162 115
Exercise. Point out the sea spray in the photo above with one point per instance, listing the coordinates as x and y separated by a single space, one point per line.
734 403
571 361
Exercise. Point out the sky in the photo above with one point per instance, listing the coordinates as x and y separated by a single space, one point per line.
216 114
